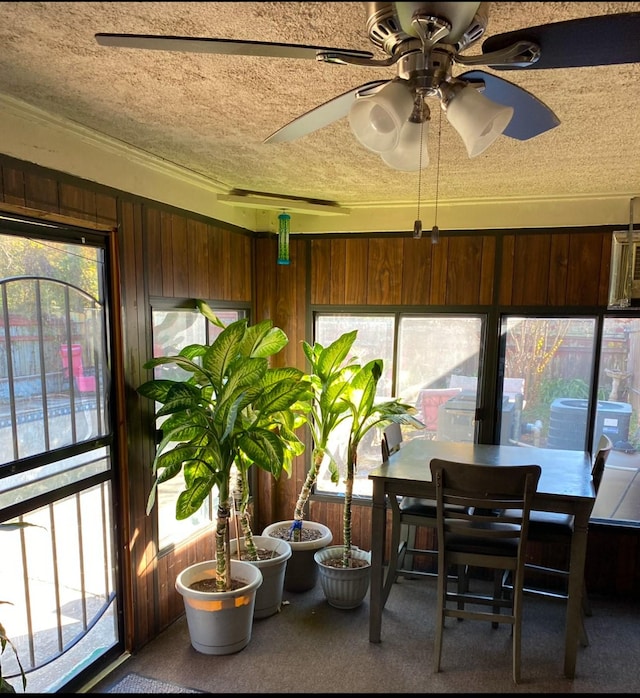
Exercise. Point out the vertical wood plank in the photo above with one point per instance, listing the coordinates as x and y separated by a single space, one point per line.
181 270
416 271
337 293
239 267
605 270
439 260
154 252
166 239
507 248
356 271
41 192
197 259
531 271
463 270
13 186
385 271
487 270
558 262
583 281
77 202
320 272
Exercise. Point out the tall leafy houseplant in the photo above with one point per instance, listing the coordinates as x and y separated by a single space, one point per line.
365 413
345 570
331 373
233 410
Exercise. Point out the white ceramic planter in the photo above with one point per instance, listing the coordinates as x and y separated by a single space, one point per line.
219 622
302 572
269 593
344 587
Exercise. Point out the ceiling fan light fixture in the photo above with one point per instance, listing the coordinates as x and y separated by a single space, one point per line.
477 119
377 120
411 153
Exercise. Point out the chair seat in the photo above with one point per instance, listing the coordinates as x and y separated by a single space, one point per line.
475 544
418 507
543 524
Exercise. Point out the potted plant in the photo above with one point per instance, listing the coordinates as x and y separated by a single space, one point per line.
331 372
5 686
232 410
345 570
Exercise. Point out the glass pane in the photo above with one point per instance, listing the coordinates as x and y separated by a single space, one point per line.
374 341
438 367
59 576
174 329
53 369
547 381
22 487
617 416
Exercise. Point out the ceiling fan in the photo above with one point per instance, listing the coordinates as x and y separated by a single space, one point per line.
424 41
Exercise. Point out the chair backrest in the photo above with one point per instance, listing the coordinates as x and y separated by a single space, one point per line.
484 502
391 439
604 448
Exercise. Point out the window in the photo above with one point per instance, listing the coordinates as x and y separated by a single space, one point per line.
56 445
173 329
547 383
434 366
618 416
558 382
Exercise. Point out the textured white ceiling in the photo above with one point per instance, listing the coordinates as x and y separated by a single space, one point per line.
210 113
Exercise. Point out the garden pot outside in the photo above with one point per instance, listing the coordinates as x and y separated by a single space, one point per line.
302 572
344 587
219 622
269 593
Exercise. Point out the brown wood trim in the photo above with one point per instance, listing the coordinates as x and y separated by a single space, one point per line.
53 217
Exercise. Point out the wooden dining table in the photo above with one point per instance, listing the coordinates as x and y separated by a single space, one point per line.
565 486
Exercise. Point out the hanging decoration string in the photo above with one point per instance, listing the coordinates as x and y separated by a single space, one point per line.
435 231
417 226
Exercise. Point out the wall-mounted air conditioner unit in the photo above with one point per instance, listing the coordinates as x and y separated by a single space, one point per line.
624 278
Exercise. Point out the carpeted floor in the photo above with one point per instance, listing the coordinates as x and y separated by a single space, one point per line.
135 683
311 647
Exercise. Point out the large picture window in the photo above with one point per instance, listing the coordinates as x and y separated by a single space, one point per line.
557 382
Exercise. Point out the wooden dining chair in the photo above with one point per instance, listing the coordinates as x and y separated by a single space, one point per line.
407 514
474 531
555 530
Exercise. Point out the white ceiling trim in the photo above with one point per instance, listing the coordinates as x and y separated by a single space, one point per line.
50 141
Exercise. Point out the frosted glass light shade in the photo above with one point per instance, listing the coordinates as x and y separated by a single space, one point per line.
406 155
376 120
478 120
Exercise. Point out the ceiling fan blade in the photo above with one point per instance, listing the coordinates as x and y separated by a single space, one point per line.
323 115
589 41
531 117
232 47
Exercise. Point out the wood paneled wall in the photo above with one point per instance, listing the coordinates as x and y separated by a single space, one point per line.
164 252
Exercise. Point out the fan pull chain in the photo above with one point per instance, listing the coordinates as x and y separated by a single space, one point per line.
417 226
435 231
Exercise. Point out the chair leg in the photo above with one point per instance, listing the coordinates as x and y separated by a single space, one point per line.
516 636
497 593
410 538
586 604
442 590
463 585
395 557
